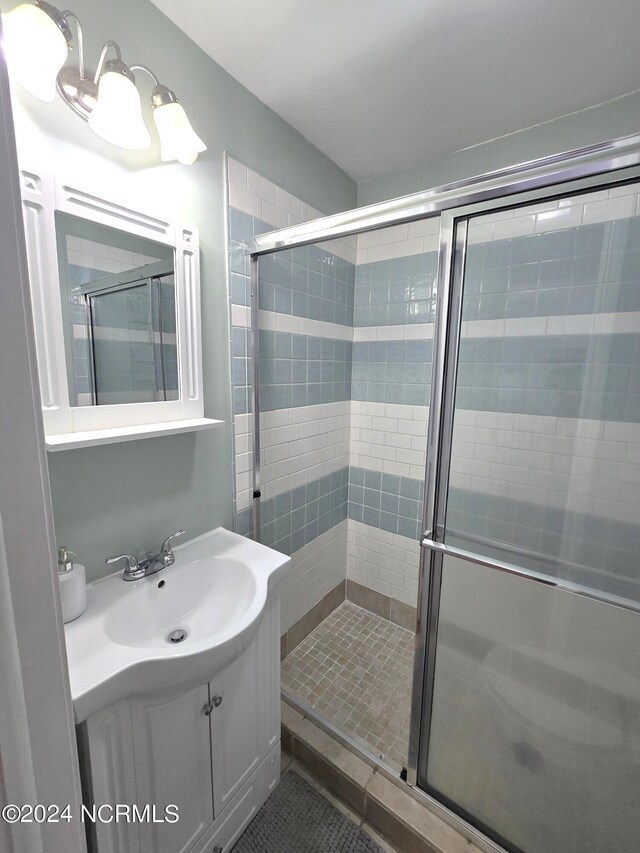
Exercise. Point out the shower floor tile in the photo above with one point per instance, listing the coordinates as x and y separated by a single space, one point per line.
356 669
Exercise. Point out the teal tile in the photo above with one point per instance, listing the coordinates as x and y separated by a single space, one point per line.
591 239
474 258
553 302
583 300
558 244
390 484
240 225
494 280
587 269
523 276
554 273
525 249
521 304
492 305
496 254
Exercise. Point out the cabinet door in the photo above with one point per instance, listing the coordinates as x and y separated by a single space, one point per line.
246 723
106 747
173 766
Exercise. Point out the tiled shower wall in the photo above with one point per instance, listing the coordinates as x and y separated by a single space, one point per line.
392 353
547 428
306 341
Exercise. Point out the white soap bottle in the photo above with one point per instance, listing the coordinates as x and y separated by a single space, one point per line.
73 588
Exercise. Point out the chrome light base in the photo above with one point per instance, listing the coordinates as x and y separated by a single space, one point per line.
78 92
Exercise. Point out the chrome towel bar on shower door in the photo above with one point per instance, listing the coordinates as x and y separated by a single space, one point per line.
545 580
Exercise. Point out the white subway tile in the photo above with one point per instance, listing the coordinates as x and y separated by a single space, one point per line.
571 324
419 332
374 254
310 213
393 234
404 248
237 173
245 201
562 217
485 328
424 227
620 207
289 202
519 226
240 316
274 215
261 186
480 232
518 327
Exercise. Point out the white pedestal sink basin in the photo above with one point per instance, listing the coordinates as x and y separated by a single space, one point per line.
175 629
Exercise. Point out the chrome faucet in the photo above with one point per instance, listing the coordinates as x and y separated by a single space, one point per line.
151 564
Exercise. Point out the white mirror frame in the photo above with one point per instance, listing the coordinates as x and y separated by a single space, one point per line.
43 194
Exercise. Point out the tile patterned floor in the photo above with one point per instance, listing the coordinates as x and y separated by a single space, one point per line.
356 670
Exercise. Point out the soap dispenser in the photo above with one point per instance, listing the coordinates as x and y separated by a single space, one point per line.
73 589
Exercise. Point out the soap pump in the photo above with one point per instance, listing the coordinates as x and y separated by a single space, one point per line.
73 590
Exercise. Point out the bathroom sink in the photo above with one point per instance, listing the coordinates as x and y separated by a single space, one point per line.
175 629
203 600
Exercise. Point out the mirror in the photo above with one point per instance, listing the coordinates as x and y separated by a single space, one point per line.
115 291
119 314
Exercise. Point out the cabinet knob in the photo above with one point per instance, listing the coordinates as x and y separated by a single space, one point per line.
215 702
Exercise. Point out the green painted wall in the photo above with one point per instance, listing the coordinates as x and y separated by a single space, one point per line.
127 497
620 117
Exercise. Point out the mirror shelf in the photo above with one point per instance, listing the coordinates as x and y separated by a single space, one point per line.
94 437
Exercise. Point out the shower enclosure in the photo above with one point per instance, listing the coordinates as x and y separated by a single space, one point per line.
512 330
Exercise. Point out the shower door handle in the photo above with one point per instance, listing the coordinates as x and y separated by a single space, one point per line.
490 563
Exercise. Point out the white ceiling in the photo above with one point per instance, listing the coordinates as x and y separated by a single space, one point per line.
380 85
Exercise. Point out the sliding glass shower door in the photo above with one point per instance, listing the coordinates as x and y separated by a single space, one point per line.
531 694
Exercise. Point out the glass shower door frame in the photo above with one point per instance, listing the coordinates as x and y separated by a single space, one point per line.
447 335
610 163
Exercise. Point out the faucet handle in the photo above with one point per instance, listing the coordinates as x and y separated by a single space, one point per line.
132 570
166 545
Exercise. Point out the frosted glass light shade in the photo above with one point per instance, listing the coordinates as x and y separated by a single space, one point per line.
35 49
178 140
117 117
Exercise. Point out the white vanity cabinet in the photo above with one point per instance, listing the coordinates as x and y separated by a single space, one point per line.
214 752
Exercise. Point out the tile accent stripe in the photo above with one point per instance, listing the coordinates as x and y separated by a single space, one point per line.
602 552
392 372
577 376
297 517
295 370
396 291
298 370
582 270
308 282
593 268
386 501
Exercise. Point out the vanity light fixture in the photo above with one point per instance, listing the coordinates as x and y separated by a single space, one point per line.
178 140
117 115
37 40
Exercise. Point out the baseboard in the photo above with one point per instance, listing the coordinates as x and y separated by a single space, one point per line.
395 611
311 619
369 599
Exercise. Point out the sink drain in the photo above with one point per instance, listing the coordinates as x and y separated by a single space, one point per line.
177 636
